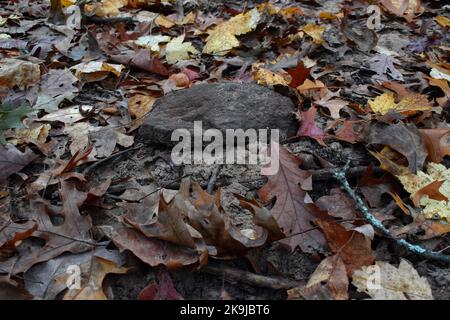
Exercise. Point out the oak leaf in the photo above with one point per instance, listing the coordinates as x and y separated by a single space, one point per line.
291 210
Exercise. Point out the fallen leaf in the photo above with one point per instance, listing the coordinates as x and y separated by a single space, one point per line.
11 117
151 42
13 160
443 21
314 31
222 38
177 50
269 78
141 59
353 247
383 65
154 252
163 290
96 70
55 87
290 210
437 142
139 105
308 127
93 289
404 139
332 275
15 72
67 115
386 282
73 235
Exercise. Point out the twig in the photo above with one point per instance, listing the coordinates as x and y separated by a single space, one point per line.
231 274
96 164
340 175
213 180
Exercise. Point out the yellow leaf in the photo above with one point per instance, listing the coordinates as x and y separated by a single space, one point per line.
431 208
138 106
409 104
68 3
309 85
314 31
96 70
326 15
27 135
443 21
177 50
93 289
106 8
222 38
163 21
267 77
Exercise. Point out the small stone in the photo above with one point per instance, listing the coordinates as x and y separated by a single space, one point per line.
226 105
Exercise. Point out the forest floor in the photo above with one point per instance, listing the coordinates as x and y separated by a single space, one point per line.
83 191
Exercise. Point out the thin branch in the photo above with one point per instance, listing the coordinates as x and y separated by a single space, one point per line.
340 175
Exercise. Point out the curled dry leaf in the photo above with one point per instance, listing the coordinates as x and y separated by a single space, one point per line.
437 142
96 70
404 139
328 281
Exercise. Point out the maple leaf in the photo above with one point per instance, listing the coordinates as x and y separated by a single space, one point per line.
291 211
404 139
437 142
308 127
222 38
298 74
402 283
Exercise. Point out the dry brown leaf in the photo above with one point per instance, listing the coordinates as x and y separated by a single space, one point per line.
291 211
386 282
